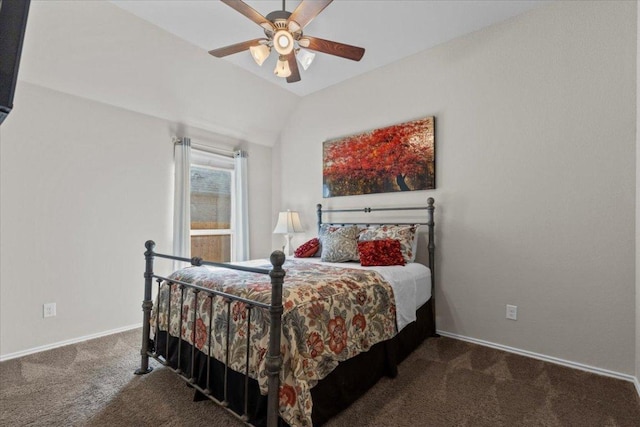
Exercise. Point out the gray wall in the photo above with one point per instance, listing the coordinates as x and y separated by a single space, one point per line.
638 215
535 136
87 161
83 185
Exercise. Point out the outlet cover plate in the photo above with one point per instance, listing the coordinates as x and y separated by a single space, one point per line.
512 312
49 309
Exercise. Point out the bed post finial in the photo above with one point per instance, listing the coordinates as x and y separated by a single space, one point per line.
319 211
147 305
274 358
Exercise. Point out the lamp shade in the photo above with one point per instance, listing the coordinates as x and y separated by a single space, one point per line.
305 58
260 53
282 68
288 222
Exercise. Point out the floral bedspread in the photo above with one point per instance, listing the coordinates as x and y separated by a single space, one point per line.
330 314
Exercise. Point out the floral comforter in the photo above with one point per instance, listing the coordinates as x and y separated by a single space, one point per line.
330 315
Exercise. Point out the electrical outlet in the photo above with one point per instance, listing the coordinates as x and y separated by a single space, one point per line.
49 309
512 312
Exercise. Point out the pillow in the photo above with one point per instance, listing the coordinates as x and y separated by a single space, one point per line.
341 245
324 230
380 252
307 249
405 234
328 229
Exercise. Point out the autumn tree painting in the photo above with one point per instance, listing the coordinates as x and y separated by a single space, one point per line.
396 158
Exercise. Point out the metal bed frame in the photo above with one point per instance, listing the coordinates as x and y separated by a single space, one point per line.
431 246
273 358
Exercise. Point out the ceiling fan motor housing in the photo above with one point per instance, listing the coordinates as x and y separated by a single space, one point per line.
280 18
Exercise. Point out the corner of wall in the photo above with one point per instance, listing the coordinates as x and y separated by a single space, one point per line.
637 246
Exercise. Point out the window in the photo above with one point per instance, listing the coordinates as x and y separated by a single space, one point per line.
212 202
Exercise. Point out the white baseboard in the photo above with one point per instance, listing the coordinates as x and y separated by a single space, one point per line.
546 358
9 356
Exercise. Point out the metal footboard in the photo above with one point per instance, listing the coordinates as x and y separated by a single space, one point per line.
273 359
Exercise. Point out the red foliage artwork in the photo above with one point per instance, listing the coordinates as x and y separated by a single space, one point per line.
396 158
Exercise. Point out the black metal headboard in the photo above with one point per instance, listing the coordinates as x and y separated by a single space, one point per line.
430 224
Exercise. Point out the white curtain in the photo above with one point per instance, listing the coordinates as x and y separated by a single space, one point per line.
182 201
240 250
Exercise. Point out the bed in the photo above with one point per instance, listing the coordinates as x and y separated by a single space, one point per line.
296 354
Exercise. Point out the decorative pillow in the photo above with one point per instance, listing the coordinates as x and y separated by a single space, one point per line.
380 252
307 249
328 229
341 245
405 234
324 230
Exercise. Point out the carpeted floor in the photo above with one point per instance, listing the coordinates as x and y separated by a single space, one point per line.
445 382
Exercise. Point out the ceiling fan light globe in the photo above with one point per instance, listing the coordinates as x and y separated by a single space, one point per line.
305 58
304 42
294 26
260 53
282 68
283 42
268 26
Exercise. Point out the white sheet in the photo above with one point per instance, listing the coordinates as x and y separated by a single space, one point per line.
411 284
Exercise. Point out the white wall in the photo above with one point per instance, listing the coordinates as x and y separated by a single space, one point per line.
95 50
83 186
86 178
638 211
535 136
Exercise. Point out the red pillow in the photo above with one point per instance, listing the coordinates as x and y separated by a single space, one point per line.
307 249
380 252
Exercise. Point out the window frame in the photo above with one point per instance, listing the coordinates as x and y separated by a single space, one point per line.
204 160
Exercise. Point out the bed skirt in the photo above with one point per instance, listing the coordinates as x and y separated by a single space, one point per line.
350 380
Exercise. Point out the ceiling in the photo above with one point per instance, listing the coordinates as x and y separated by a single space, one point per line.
388 30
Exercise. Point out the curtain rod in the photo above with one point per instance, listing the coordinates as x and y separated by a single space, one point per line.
207 148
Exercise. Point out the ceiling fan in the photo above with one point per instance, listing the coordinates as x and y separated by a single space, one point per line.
284 34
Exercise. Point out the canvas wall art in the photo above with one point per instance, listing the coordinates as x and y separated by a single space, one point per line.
395 158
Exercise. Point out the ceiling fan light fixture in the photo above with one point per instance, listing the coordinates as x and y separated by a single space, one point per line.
283 42
294 26
260 53
305 58
304 42
283 31
268 26
282 68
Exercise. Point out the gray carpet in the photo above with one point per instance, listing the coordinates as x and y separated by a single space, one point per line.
445 382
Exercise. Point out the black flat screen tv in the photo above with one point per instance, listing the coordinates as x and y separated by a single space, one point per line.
13 22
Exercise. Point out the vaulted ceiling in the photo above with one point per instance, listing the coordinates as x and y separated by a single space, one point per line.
388 30
151 56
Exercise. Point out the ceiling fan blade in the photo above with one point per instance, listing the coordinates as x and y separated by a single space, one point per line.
293 65
307 10
332 48
235 48
250 13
